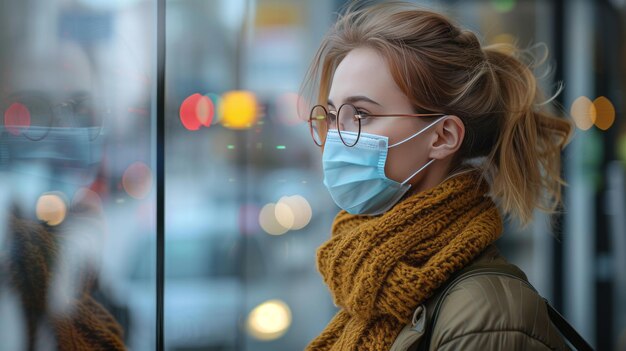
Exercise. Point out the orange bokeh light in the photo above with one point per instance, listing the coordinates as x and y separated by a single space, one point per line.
605 113
51 208
599 112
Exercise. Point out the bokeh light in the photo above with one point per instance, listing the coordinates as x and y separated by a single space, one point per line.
268 221
293 212
187 112
216 100
605 113
137 180
196 111
503 6
583 112
51 208
16 117
270 320
205 111
239 109
284 214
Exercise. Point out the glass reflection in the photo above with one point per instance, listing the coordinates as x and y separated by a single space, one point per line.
70 92
51 147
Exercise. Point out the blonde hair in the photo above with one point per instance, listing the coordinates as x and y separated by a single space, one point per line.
443 68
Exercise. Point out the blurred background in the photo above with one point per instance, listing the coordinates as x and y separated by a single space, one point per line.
245 207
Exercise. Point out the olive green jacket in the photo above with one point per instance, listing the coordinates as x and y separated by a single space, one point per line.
493 312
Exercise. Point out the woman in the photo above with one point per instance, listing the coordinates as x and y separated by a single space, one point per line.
428 137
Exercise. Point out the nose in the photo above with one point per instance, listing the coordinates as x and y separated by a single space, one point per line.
332 120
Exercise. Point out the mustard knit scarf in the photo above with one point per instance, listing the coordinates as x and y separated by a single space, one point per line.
380 268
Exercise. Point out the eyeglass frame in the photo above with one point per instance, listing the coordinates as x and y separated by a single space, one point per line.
72 102
358 117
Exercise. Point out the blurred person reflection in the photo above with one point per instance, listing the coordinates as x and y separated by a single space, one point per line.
51 147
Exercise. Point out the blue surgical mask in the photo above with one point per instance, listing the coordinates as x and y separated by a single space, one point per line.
355 176
64 160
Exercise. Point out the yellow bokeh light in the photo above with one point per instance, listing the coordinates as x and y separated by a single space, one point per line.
268 221
583 112
605 113
269 320
306 212
238 109
51 208
284 214
299 208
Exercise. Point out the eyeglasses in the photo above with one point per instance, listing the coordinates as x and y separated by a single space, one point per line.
77 112
346 120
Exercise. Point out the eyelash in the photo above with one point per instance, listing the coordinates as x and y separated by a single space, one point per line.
332 112
364 115
358 110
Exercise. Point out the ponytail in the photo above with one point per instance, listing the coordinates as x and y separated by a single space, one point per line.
525 163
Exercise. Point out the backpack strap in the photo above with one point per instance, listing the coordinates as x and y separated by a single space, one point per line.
416 335
436 301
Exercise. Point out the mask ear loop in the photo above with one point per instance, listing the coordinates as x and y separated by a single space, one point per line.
413 136
418 133
419 170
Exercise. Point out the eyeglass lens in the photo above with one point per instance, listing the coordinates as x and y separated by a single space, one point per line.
321 121
318 121
34 111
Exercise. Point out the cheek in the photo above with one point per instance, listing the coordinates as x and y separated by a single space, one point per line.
403 160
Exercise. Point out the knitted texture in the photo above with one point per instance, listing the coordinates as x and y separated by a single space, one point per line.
379 268
34 250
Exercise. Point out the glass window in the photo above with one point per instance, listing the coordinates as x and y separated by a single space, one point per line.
243 178
76 173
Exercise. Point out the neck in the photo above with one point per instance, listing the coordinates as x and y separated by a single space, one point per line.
439 177
432 176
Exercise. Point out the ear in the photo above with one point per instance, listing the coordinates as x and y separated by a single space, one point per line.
447 138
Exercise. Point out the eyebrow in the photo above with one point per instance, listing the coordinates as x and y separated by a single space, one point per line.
357 98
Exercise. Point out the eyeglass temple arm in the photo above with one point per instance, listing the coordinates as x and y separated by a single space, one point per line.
404 115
